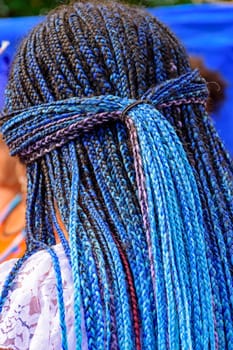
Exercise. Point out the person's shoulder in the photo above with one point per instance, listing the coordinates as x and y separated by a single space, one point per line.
30 316
38 263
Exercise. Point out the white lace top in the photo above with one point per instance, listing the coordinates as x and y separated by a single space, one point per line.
30 316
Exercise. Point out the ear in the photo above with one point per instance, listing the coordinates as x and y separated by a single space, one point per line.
21 175
20 169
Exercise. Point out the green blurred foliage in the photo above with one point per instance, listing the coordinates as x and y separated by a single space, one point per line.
9 8
12 8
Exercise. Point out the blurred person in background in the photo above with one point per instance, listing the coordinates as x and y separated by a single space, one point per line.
12 194
215 82
12 206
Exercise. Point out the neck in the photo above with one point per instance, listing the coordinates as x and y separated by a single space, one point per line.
6 195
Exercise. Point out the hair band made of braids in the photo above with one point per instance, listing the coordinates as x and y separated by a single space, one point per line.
49 126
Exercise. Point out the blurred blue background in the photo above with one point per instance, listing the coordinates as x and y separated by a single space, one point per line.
205 30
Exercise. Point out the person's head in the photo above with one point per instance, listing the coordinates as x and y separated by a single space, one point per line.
85 50
91 49
103 107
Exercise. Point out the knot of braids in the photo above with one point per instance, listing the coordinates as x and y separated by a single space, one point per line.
33 132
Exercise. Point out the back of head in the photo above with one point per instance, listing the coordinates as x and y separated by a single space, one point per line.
89 49
104 109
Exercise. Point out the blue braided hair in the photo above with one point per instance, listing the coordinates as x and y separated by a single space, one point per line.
105 111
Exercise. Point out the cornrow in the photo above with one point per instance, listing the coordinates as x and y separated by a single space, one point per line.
105 111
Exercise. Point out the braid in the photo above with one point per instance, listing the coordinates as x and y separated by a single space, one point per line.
104 109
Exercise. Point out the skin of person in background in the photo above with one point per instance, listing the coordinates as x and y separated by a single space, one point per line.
12 200
103 108
12 205
13 188
215 82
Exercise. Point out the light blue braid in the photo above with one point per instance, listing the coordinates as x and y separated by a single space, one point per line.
74 227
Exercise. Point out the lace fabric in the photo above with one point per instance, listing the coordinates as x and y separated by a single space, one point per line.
30 316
